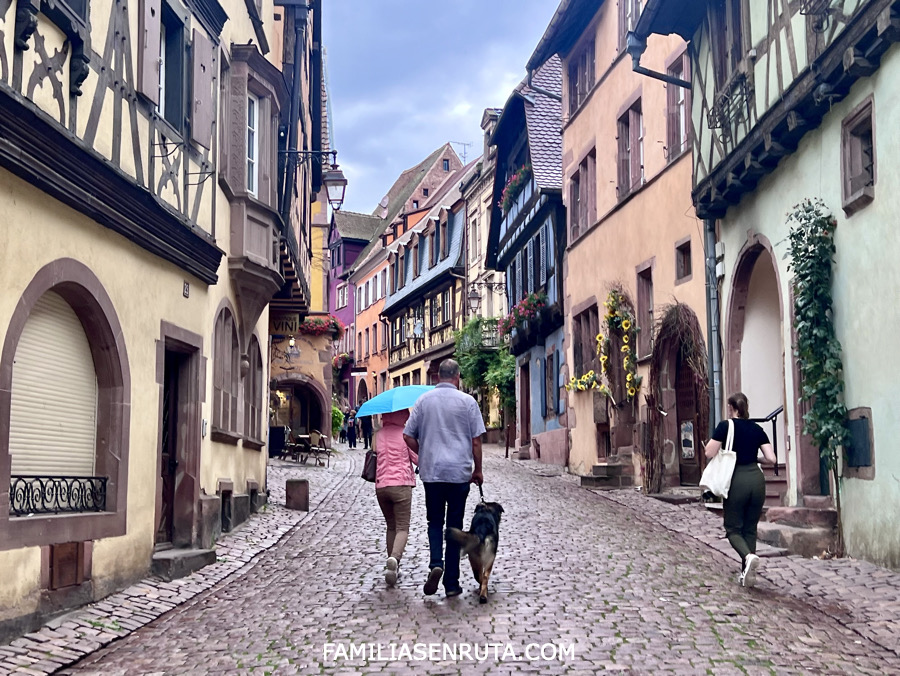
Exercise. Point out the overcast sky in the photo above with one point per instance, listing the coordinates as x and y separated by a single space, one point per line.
406 76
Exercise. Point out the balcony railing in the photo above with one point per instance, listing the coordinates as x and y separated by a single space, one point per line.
490 334
30 495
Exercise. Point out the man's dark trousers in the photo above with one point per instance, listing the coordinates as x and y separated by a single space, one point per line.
441 497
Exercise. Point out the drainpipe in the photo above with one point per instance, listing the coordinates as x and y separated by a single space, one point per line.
301 14
713 334
636 47
541 90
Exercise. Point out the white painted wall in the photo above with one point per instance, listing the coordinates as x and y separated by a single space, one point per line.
867 279
762 361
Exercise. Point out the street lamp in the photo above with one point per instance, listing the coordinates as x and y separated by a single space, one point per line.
335 185
474 300
334 180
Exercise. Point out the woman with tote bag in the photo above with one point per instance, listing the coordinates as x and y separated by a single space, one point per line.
747 493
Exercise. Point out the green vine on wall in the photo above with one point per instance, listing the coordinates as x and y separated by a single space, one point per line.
818 351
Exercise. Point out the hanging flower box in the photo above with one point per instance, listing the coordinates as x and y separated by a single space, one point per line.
527 309
320 326
513 187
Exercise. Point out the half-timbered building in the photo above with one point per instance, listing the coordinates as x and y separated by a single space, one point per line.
527 241
425 297
794 101
144 236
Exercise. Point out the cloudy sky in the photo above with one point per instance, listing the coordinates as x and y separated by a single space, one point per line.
406 76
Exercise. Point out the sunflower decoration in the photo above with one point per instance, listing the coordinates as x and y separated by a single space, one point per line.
620 324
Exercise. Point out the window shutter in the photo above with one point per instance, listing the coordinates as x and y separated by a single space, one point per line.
543 372
203 115
576 347
634 129
543 254
530 271
148 53
622 158
519 287
53 403
556 382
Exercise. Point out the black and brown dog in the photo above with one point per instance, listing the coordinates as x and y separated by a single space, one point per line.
480 542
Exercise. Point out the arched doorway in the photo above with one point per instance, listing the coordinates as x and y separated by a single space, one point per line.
756 347
362 392
678 405
300 403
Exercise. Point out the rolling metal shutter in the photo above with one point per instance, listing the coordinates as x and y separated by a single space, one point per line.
53 413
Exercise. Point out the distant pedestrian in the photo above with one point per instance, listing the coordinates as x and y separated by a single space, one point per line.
445 430
394 481
351 429
343 432
747 493
365 426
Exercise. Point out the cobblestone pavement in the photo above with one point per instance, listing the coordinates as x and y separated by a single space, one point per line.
610 579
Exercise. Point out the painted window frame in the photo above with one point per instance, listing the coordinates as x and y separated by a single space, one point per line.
226 381
857 129
252 143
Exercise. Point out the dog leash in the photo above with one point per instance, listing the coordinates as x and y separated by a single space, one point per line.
481 491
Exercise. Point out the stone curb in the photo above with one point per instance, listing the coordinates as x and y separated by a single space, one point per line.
70 638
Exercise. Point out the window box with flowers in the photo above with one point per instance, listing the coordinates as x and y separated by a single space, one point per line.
527 309
514 186
320 326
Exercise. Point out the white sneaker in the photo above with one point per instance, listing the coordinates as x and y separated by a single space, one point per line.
391 571
748 577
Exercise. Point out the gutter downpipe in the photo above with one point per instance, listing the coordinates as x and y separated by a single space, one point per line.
301 13
636 46
541 90
713 337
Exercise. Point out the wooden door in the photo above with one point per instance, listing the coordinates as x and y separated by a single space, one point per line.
689 436
169 451
525 403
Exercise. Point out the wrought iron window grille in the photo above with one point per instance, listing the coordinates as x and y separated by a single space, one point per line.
820 10
732 105
32 495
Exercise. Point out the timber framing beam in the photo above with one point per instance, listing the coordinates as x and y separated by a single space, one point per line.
55 161
856 53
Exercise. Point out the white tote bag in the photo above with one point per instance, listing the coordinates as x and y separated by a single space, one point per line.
717 476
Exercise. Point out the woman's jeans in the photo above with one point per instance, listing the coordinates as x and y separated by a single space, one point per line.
743 507
396 505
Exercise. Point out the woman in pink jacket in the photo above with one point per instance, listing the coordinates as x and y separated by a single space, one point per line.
394 481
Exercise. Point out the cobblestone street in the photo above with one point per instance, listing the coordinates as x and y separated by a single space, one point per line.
609 576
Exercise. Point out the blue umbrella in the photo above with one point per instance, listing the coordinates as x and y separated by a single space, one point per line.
395 399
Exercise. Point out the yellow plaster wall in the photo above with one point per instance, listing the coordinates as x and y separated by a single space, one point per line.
144 291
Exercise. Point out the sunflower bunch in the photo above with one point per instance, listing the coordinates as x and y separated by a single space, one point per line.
589 381
620 322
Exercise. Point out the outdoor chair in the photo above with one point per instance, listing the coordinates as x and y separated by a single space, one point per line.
318 448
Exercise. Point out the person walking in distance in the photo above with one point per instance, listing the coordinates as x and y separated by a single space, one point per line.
394 481
445 430
351 429
365 426
747 493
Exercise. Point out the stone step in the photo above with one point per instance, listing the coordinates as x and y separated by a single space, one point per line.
801 517
610 482
171 564
818 501
608 469
807 542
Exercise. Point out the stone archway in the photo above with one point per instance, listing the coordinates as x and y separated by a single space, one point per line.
308 406
755 352
362 392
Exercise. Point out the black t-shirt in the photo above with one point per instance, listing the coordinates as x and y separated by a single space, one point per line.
748 437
